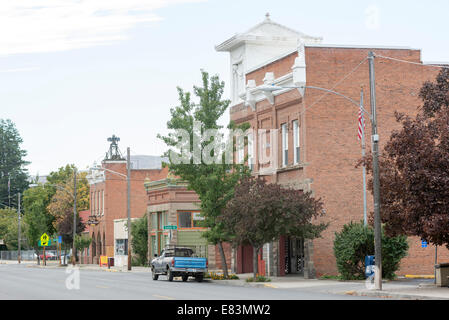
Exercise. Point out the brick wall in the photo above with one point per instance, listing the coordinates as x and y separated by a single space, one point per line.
329 145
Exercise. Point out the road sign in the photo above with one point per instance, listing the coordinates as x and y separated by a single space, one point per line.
423 244
44 240
170 227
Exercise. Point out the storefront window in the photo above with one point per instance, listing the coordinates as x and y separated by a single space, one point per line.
121 247
189 220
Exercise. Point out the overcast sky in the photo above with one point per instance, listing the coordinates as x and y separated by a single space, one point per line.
74 72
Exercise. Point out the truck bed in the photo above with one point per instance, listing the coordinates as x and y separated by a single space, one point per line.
197 263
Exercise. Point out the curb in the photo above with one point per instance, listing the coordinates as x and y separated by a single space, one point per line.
392 295
237 283
411 276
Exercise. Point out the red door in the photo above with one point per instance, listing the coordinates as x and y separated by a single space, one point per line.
245 259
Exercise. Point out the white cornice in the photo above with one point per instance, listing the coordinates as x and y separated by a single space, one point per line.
343 46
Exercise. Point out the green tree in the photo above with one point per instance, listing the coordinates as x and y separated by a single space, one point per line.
82 242
12 163
356 241
139 240
36 216
213 183
9 228
62 199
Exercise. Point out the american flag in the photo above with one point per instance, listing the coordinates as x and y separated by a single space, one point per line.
361 124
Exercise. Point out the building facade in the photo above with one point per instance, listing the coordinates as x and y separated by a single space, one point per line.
108 201
310 137
174 219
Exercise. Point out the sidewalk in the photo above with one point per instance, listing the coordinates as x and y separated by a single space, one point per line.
415 289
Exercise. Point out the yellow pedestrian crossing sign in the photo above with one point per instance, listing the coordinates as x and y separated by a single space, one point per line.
44 240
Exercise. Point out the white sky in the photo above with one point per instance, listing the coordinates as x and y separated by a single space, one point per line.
74 72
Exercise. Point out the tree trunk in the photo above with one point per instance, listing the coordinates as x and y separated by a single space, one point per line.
37 254
65 255
255 256
223 260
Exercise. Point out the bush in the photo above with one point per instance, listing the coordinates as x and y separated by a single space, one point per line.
356 241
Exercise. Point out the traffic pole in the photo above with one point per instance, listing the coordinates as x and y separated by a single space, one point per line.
128 204
74 216
19 258
376 178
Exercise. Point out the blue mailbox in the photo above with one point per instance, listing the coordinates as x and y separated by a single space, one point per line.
369 266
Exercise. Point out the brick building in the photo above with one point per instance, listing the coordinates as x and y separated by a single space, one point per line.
108 201
311 136
170 203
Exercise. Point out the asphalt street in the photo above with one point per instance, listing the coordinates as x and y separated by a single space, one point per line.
28 282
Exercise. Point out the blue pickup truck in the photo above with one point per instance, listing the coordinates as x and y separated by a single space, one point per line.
175 262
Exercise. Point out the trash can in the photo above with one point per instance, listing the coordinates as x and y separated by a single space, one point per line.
369 266
442 272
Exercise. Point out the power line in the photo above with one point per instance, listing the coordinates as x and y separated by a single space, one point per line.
411 62
340 81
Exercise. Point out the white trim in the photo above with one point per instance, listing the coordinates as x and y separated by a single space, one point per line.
263 64
348 46
436 63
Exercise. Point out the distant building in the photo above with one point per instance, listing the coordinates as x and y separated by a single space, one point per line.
108 200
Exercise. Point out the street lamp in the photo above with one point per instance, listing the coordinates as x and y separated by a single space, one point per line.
375 143
128 198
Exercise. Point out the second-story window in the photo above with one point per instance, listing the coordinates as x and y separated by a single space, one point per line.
250 152
284 132
296 141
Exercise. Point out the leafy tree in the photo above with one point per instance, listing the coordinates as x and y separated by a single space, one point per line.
356 241
414 166
36 216
9 228
12 163
213 183
65 229
139 239
62 199
260 213
82 242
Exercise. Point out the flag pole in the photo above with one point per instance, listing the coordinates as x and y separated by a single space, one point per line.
365 217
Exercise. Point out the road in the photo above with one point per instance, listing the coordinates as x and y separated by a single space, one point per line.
28 282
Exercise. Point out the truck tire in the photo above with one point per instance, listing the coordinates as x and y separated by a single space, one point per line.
169 275
199 278
185 278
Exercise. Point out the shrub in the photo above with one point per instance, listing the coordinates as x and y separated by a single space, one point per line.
356 241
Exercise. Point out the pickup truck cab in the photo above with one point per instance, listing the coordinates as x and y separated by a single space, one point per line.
175 262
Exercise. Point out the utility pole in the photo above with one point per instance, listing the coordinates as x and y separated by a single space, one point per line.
365 216
376 182
74 216
128 204
18 239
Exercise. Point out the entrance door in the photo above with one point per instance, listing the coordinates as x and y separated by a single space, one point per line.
294 256
245 259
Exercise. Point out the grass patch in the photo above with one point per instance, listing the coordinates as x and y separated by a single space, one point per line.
330 277
219 276
258 279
